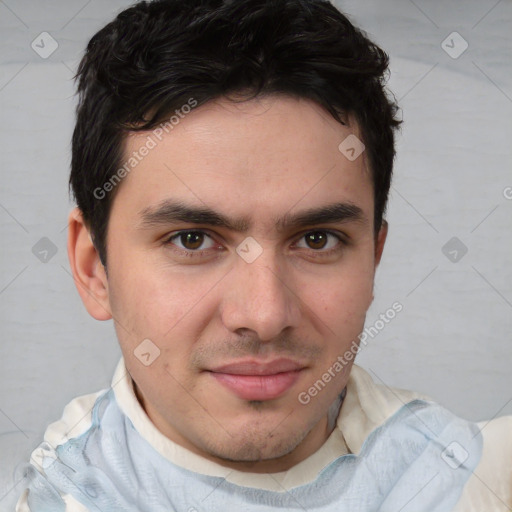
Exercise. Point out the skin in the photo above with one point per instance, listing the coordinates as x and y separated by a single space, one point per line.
256 160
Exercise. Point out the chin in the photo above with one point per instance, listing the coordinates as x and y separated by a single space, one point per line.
255 446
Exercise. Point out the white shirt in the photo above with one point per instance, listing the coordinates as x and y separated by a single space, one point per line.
366 407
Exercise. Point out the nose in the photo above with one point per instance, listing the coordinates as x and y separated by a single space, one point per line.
260 297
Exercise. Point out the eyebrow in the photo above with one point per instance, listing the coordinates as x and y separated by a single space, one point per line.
171 212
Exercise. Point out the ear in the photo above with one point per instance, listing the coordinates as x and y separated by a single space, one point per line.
380 241
88 271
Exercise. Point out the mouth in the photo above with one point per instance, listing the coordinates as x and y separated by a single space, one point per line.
256 380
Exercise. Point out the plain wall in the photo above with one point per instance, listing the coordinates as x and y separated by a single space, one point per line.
451 341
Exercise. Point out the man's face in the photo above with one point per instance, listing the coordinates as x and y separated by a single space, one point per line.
264 166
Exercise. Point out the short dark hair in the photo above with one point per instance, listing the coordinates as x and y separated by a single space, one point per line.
155 56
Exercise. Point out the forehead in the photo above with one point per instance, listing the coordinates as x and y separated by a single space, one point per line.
255 159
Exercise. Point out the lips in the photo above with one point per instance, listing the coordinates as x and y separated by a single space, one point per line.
252 367
257 380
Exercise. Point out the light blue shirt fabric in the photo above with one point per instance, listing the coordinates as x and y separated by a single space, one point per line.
418 460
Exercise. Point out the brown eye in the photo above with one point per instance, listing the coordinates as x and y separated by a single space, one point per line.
192 240
320 241
316 240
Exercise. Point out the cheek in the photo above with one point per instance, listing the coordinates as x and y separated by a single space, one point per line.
159 302
341 299
345 308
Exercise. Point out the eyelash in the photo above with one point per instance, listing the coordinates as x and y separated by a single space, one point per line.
198 253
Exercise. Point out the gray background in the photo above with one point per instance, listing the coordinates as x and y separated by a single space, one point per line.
452 340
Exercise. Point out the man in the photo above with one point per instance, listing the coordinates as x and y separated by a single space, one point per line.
231 165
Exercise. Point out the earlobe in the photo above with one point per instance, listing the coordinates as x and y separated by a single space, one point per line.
87 269
380 241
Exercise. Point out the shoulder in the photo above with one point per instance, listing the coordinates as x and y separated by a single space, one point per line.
70 504
490 484
76 420
371 403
